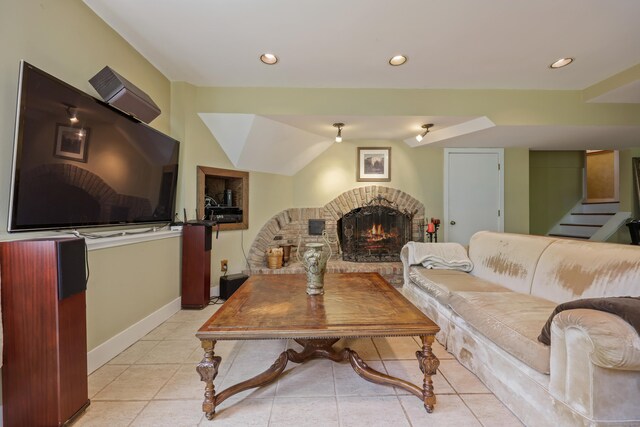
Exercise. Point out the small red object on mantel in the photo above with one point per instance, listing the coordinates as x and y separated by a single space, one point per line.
432 230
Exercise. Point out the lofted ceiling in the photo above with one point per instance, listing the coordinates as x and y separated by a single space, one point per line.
455 44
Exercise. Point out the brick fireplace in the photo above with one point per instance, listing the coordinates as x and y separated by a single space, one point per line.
291 225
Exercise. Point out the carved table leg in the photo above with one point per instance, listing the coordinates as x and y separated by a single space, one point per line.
208 370
429 366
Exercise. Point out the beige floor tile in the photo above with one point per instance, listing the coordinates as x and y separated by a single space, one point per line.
184 331
112 414
450 411
312 378
103 376
348 383
169 351
261 349
242 371
301 412
409 370
161 331
133 353
245 413
138 382
394 348
363 346
490 411
185 384
170 413
194 315
460 378
375 411
438 349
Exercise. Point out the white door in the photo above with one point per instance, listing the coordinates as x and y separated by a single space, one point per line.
473 193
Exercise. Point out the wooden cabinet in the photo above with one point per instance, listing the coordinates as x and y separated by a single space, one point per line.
196 265
44 373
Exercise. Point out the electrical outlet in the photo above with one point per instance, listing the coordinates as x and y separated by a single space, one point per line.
224 265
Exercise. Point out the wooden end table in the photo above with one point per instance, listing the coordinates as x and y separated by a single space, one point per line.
355 305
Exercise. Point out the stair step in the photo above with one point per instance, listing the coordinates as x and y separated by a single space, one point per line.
593 213
569 236
597 207
598 203
575 230
581 225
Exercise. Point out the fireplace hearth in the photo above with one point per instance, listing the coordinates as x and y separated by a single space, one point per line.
375 232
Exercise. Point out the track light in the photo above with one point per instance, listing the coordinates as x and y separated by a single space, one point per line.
426 131
72 112
339 135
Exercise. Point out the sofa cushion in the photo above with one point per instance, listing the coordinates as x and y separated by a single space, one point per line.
507 259
440 284
571 269
511 320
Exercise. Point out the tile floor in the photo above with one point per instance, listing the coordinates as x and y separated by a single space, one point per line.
154 383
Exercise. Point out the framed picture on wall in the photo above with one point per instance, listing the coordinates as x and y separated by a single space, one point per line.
71 143
374 164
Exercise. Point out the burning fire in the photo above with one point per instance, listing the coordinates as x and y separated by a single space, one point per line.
377 233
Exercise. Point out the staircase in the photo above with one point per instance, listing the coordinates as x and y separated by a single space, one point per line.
585 220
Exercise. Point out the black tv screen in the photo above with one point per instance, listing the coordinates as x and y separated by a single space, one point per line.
78 162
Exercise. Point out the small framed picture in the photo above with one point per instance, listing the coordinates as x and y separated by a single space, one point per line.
71 143
374 164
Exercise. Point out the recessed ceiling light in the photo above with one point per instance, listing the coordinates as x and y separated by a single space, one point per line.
398 60
268 58
562 62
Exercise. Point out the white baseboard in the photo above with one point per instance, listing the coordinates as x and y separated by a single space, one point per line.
115 345
215 291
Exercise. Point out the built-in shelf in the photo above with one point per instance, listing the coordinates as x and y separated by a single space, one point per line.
211 185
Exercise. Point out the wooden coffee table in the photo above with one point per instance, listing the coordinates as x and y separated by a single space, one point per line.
277 307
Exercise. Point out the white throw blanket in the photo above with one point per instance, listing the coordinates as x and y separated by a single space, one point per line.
445 256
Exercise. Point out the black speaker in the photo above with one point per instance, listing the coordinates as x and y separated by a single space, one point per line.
72 274
124 95
208 237
229 284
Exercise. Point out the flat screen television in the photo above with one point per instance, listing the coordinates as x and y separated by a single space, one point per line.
79 162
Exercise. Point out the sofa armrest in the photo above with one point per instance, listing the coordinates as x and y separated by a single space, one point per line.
595 364
615 343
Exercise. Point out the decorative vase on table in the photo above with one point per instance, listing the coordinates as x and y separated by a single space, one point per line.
314 260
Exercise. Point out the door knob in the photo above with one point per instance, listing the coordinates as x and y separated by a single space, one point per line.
452 223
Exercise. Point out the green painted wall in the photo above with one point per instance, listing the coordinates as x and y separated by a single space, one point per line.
516 190
268 193
66 39
555 186
503 107
416 171
628 196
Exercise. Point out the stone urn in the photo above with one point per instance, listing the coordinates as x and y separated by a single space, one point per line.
314 260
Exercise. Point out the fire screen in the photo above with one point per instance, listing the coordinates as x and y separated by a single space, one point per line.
375 232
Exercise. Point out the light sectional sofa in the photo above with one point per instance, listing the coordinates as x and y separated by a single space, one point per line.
491 317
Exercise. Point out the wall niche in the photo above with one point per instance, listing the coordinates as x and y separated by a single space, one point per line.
223 196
